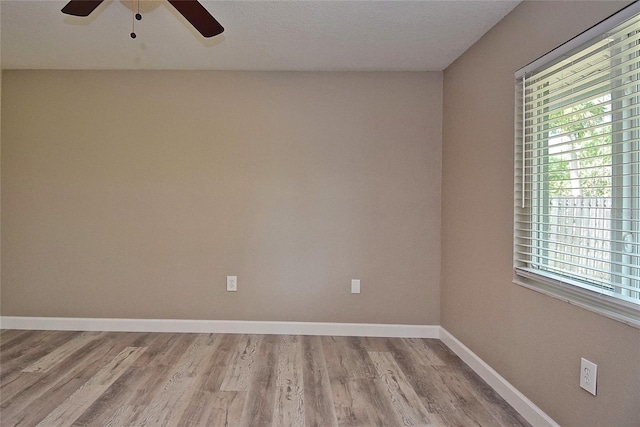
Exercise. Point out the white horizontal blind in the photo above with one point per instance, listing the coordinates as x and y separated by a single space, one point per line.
577 164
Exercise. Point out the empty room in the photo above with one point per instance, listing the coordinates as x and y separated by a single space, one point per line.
320 213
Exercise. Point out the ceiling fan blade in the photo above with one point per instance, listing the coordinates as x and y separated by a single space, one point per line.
198 16
81 7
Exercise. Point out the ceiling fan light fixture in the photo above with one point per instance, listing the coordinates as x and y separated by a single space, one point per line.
191 10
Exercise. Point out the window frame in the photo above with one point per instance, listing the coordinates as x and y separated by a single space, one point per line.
569 290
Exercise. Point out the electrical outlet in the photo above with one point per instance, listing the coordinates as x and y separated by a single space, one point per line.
232 283
588 375
355 286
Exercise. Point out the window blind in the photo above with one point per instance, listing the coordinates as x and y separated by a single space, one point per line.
577 169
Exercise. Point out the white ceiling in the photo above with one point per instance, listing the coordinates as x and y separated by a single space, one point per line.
259 35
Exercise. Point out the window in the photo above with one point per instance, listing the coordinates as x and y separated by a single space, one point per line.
577 170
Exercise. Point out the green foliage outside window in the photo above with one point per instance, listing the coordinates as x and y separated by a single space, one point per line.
581 135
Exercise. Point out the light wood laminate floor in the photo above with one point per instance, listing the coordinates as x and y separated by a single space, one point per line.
61 378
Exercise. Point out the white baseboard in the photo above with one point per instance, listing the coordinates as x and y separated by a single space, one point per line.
515 398
220 326
508 392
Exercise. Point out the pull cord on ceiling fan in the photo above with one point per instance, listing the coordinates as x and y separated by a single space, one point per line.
192 11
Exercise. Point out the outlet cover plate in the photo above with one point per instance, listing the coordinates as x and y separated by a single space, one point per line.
232 283
355 286
588 375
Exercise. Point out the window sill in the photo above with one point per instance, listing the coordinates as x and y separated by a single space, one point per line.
597 302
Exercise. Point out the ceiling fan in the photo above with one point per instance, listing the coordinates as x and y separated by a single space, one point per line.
192 11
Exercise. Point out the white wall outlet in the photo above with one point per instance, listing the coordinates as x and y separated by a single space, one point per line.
232 283
588 375
355 286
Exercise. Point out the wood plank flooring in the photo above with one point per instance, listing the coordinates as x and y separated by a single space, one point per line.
61 378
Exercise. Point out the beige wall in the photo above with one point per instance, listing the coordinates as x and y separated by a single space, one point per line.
133 195
533 340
